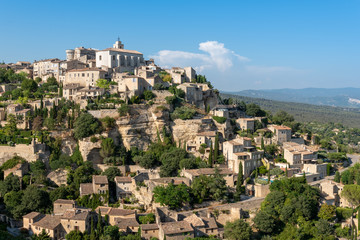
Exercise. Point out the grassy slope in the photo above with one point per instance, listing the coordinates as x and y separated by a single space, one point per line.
307 112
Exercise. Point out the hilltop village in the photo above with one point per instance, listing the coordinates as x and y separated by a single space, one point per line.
108 145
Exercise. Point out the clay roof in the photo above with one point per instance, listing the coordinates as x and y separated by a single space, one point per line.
123 223
123 179
48 222
210 222
281 127
242 154
48 60
64 201
122 50
152 226
97 179
120 212
86 188
176 227
195 221
32 215
173 180
87 69
75 214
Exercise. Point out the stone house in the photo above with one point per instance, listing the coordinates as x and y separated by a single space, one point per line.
242 150
181 75
19 170
62 205
246 124
124 187
206 138
127 225
51 225
30 218
78 219
18 111
281 133
99 185
298 154
149 231
194 93
85 77
228 174
316 168
175 230
132 85
47 68
203 227
116 214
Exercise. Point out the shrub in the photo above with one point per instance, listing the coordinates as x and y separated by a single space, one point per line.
12 163
93 139
183 113
148 95
123 110
220 120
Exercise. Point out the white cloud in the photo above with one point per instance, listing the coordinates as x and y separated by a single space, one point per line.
215 56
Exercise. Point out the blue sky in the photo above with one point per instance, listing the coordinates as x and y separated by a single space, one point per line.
236 44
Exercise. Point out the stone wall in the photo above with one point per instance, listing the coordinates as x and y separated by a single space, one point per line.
104 113
25 151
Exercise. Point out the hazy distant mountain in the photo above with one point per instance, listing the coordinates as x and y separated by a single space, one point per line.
340 97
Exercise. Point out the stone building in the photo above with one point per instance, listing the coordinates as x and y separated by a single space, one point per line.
62 205
47 68
116 214
181 75
85 77
281 133
149 231
246 124
84 55
124 187
242 150
228 174
99 185
175 230
19 170
119 59
298 154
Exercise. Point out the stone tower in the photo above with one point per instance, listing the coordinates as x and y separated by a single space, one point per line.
118 44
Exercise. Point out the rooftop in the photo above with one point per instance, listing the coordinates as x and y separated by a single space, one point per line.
121 50
32 215
97 179
123 223
208 171
123 179
176 227
152 226
48 222
87 69
64 201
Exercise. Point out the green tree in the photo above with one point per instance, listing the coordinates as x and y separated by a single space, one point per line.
111 173
85 126
171 162
74 235
29 85
102 83
99 226
112 232
216 147
262 143
10 127
123 110
107 147
172 196
265 222
42 236
328 169
327 212
337 177
240 179
238 230
352 194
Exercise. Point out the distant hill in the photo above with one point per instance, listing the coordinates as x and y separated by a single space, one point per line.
338 97
307 112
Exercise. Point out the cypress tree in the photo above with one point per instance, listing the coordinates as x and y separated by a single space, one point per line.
216 147
262 143
337 177
240 179
92 230
286 172
210 160
99 224
358 217
269 176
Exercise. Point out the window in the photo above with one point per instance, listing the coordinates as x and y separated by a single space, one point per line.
100 57
113 57
83 75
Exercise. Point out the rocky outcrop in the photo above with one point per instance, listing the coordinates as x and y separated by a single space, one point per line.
90 151
59 177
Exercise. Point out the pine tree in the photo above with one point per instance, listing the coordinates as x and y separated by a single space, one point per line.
216 147
286 172
210 160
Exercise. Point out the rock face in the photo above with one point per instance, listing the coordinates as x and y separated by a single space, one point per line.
142 125
90 151
59 176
